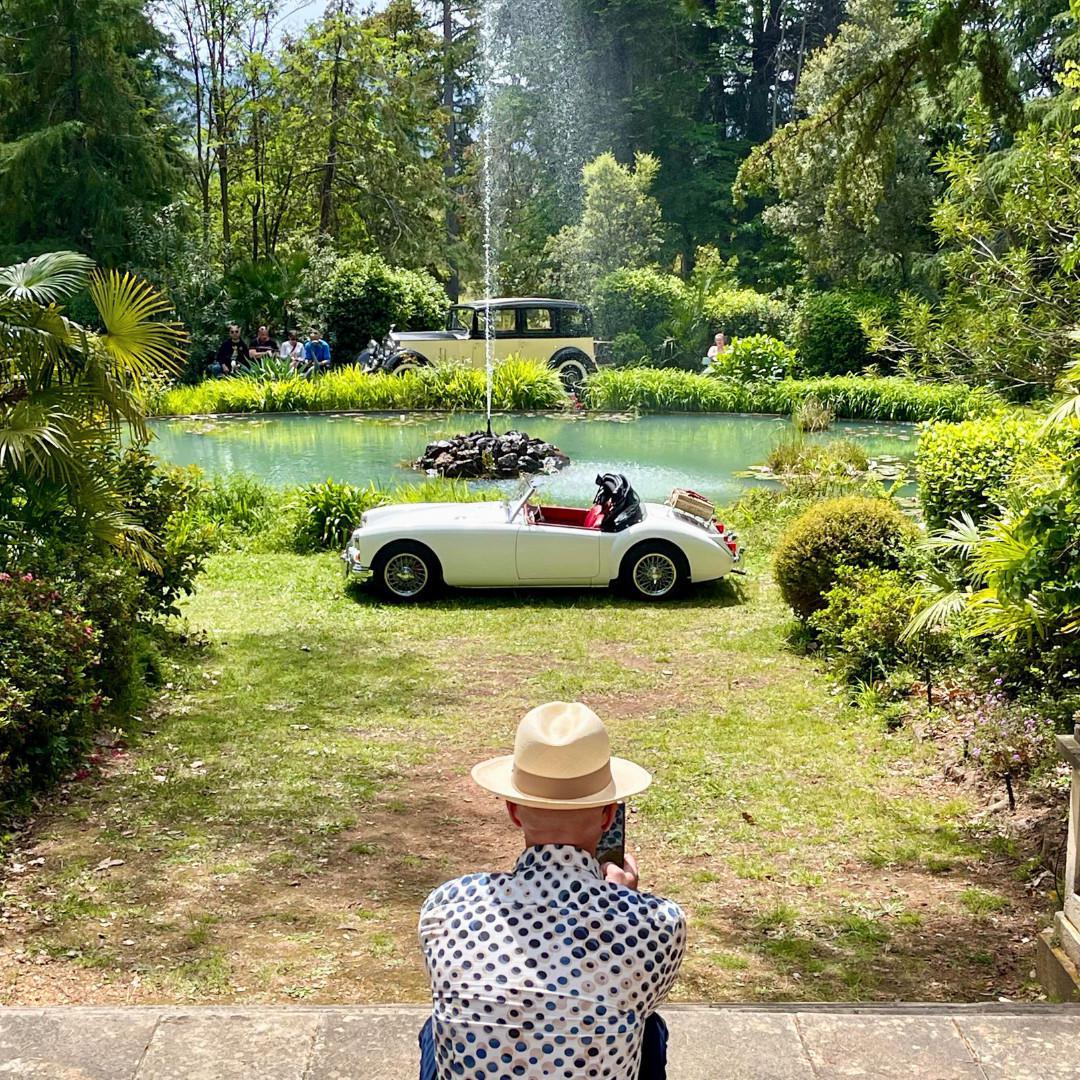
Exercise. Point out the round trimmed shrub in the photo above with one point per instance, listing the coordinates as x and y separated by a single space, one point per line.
636 301
829 337
742 312
849 532
363 295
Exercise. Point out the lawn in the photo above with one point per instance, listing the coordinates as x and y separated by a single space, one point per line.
303 783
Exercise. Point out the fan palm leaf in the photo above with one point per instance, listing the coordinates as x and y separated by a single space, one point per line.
135 338
46 279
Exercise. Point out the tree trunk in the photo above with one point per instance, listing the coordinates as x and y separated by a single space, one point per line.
453 226
765 41
327 215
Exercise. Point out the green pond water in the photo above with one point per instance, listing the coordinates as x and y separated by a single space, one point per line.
657 453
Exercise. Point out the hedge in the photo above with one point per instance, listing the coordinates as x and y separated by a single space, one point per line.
852 397
964 468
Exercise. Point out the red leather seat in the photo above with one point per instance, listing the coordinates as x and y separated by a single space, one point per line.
595 517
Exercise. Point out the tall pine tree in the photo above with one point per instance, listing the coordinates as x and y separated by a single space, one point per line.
85 135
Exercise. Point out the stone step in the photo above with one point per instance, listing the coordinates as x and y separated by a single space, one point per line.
708 1042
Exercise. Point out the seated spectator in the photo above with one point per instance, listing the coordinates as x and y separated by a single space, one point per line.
555 968
718 346
230 354
263 345
317 352
292 349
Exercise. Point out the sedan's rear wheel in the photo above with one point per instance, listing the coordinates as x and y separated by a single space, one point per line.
654 571
405 572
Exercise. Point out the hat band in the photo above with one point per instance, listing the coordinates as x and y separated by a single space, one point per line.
561 787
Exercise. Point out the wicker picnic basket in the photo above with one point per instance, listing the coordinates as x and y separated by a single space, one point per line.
690 502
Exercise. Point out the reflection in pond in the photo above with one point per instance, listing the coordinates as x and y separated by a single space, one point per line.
657 453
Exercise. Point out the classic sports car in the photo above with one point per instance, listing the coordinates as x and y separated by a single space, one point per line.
555 332
652 550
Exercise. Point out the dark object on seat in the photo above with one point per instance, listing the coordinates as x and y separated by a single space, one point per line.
621 505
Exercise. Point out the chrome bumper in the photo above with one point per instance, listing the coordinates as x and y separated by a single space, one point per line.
355 570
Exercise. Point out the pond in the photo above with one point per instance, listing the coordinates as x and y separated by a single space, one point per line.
656 452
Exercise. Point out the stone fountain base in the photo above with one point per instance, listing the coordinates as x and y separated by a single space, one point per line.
482 456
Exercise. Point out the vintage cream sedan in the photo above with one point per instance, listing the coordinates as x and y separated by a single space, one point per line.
555 332
651 550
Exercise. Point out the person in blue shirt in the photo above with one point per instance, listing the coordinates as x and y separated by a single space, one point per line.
317 352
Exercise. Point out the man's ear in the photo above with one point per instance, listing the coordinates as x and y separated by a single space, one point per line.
514 813
608 817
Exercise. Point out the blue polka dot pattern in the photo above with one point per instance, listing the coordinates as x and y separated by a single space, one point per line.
548 971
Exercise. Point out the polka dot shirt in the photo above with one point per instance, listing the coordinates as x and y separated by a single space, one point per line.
548 971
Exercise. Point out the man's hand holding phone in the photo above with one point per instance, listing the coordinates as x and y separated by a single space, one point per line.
626 875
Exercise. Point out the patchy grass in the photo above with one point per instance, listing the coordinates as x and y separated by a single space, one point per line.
304 783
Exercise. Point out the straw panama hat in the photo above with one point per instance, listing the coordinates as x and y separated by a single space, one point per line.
561 761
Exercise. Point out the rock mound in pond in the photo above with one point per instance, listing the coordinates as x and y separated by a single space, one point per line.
479 455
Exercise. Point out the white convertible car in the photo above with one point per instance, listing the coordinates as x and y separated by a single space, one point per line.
652 550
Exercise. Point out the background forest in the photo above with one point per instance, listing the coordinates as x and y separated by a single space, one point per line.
855 149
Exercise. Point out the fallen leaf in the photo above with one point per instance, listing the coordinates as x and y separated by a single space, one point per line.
108 864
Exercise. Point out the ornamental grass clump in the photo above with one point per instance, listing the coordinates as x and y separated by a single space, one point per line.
813 414
518 383
855 397
847 532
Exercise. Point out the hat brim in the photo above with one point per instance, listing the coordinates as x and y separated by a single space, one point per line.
497 776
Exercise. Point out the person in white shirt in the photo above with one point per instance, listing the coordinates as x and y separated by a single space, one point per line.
718 346
557 967
292 349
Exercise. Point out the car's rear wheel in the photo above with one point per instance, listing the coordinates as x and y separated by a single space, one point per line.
573 367
401 362
653 571
405 571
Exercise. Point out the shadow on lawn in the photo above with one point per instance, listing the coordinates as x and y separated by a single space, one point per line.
725 593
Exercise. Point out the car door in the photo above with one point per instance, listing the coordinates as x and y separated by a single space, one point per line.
558 554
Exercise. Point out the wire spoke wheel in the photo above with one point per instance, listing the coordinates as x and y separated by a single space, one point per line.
655 574
406 574
572 373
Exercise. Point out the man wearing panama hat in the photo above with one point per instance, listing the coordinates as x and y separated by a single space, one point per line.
556 968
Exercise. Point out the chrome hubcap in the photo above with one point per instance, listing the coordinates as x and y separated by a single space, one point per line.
572 374
405 574
655 574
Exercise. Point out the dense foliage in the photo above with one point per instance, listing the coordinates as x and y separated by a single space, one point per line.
757 358
965 468
363 297
829 336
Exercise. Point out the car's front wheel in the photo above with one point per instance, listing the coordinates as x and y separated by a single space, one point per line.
573 367
405 571
654 570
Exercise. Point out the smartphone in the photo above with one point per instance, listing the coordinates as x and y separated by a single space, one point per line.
612 846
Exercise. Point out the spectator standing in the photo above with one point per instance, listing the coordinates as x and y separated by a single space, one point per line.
230 354
555 968
292 349
317 352
263 345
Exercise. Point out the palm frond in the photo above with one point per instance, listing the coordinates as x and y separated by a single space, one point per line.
134 338
47 278
959 539
945 608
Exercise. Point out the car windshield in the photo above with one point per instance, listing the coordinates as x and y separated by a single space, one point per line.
460 318
516 503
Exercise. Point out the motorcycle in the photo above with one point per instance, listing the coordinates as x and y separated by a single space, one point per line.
374 357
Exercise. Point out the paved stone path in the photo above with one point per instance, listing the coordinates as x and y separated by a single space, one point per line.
796 1042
